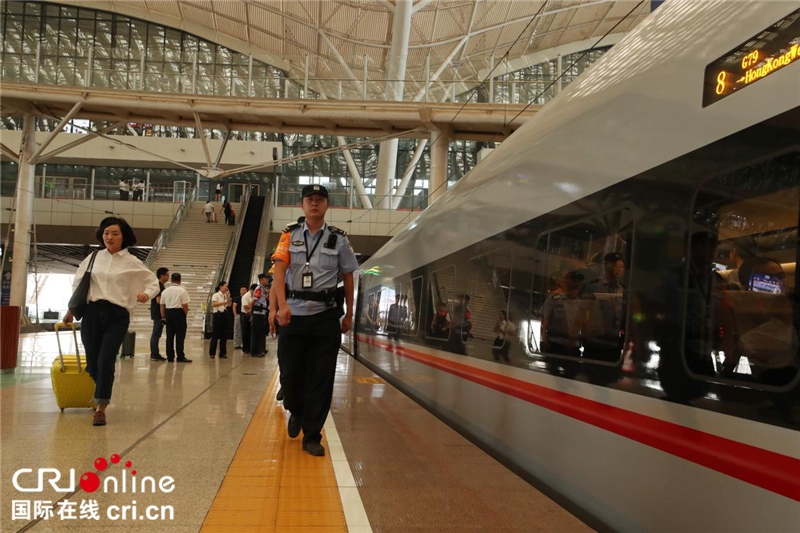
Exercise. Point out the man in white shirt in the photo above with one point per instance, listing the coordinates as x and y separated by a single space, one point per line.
220 303
174 308
247 311
208 209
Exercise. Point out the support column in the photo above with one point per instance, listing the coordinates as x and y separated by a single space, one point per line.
23 217
558 73
440 146
396 70
146 185
91 189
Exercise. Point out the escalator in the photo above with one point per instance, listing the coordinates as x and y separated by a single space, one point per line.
241 272
247 251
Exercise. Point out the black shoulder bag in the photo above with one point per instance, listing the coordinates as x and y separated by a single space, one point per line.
79 299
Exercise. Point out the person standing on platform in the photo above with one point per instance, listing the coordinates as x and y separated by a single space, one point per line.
247 318
218 191
220 302
174 308
155 314
237 319
258 332
308 260
118 281
123 190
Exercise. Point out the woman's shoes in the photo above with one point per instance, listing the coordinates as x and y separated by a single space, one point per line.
99 418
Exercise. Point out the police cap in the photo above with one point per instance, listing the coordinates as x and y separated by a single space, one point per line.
612 258
308 190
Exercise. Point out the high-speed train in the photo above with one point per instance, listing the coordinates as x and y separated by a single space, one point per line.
608 303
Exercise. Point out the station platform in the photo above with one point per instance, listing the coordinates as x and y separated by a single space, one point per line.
213 439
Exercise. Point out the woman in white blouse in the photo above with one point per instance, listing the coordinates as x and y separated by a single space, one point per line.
119 282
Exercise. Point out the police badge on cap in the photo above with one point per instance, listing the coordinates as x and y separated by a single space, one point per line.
308 190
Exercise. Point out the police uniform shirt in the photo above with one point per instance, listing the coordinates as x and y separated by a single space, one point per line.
325 264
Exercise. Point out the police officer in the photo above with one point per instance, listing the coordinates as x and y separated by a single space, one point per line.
258 330
308 260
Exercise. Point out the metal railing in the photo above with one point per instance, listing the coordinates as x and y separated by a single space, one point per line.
166 234
226 265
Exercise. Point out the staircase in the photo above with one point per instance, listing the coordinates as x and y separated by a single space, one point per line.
195 252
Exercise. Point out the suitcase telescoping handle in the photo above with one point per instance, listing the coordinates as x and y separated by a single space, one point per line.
61 353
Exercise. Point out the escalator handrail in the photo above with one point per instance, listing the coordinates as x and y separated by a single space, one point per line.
260 253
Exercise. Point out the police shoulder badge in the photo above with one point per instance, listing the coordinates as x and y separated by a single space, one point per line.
297 243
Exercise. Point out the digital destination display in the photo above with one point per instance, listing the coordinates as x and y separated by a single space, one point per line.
755 59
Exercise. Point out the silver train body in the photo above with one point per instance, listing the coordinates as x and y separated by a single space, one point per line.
662 396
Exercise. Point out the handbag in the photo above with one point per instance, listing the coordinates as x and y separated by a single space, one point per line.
79 299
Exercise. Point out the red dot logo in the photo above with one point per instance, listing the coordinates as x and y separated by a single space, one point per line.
133 472
115 458
128 464
90 482
100 463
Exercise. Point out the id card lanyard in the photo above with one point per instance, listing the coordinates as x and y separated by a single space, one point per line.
308 276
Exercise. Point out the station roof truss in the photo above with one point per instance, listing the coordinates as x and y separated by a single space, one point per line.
373 120
456 39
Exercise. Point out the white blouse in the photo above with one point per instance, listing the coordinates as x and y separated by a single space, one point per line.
118 278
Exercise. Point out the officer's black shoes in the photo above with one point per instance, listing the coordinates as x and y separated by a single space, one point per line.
294 427
280 395
314 448
184 360
211 355
223 356
157 358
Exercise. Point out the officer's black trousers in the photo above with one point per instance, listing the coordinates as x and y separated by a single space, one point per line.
176 333
307 351
245 322
258 334
219 322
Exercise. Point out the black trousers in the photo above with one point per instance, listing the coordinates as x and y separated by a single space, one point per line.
176 333
246 329
307 351
219 323
103 329
258 334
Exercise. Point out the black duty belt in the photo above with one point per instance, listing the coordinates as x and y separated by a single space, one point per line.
315 296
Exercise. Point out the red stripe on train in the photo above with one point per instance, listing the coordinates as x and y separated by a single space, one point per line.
772 471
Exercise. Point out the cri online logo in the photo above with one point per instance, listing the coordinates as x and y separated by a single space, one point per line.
90 481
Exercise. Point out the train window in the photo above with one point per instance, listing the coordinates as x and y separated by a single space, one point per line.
370 323
742 320
392 312
441 313
487 285
582 283
413 302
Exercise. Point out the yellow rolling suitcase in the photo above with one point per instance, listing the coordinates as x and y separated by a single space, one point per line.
72 384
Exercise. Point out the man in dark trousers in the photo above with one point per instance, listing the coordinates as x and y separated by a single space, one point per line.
174 308
220 302
155 314
247 318
258 331
308 260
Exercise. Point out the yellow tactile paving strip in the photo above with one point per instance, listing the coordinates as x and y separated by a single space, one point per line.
272 485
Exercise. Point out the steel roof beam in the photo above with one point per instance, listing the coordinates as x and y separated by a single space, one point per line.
51 154
9 153
53 134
